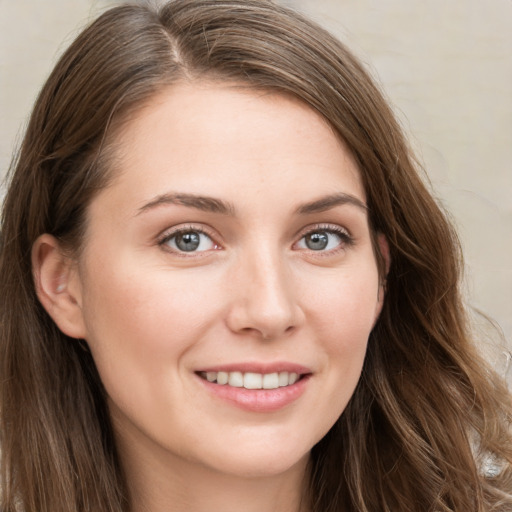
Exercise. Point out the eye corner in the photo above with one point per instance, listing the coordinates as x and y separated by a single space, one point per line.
324 239
188 241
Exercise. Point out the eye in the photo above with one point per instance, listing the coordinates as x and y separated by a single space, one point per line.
325 239
189 240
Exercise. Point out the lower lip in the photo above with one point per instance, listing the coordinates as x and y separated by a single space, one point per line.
258 400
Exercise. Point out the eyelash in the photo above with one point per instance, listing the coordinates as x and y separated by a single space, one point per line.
346 240
168 236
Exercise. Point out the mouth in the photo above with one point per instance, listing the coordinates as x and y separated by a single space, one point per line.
252 380
260 388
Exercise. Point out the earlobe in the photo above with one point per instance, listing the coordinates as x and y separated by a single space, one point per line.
57 285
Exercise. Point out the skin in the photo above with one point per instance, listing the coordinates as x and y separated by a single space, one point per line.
253 292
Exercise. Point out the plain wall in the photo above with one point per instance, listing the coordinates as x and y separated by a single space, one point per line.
445 66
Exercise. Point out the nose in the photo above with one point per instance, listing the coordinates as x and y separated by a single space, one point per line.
264 300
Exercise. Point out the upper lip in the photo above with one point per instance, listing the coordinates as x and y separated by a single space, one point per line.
256 367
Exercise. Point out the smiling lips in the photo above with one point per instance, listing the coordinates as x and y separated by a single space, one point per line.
251 380
256 389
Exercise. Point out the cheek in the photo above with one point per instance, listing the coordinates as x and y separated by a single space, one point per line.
144 320
141 326
346 304
344 315
131 298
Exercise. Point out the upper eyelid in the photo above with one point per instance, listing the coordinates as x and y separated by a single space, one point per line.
208 231
168 234
346 238
183 228
323 227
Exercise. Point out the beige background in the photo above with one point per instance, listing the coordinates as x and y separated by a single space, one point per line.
446 67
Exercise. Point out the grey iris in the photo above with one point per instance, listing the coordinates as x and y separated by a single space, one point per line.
317 241
188 241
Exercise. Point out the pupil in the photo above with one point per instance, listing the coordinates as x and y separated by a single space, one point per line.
317 241
188 241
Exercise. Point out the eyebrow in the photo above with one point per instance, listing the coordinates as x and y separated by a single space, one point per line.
214 205
328 202
203 203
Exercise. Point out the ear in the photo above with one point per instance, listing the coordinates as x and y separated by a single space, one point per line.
384 251
57 285
383 247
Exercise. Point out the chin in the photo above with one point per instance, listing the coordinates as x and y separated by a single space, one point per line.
259 460
265 467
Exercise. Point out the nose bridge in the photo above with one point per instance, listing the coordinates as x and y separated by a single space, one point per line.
265 298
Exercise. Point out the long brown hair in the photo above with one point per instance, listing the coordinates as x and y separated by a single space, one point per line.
428 427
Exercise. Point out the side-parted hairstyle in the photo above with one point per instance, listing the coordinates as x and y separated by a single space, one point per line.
428 427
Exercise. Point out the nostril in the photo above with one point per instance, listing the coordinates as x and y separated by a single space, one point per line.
264 313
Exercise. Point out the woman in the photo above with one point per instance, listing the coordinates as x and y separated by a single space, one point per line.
225 286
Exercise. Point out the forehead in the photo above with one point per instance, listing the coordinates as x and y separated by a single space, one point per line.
216 138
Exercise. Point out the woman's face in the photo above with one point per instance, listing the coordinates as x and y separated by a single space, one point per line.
233 244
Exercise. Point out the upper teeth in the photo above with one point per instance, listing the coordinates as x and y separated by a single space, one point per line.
250 380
